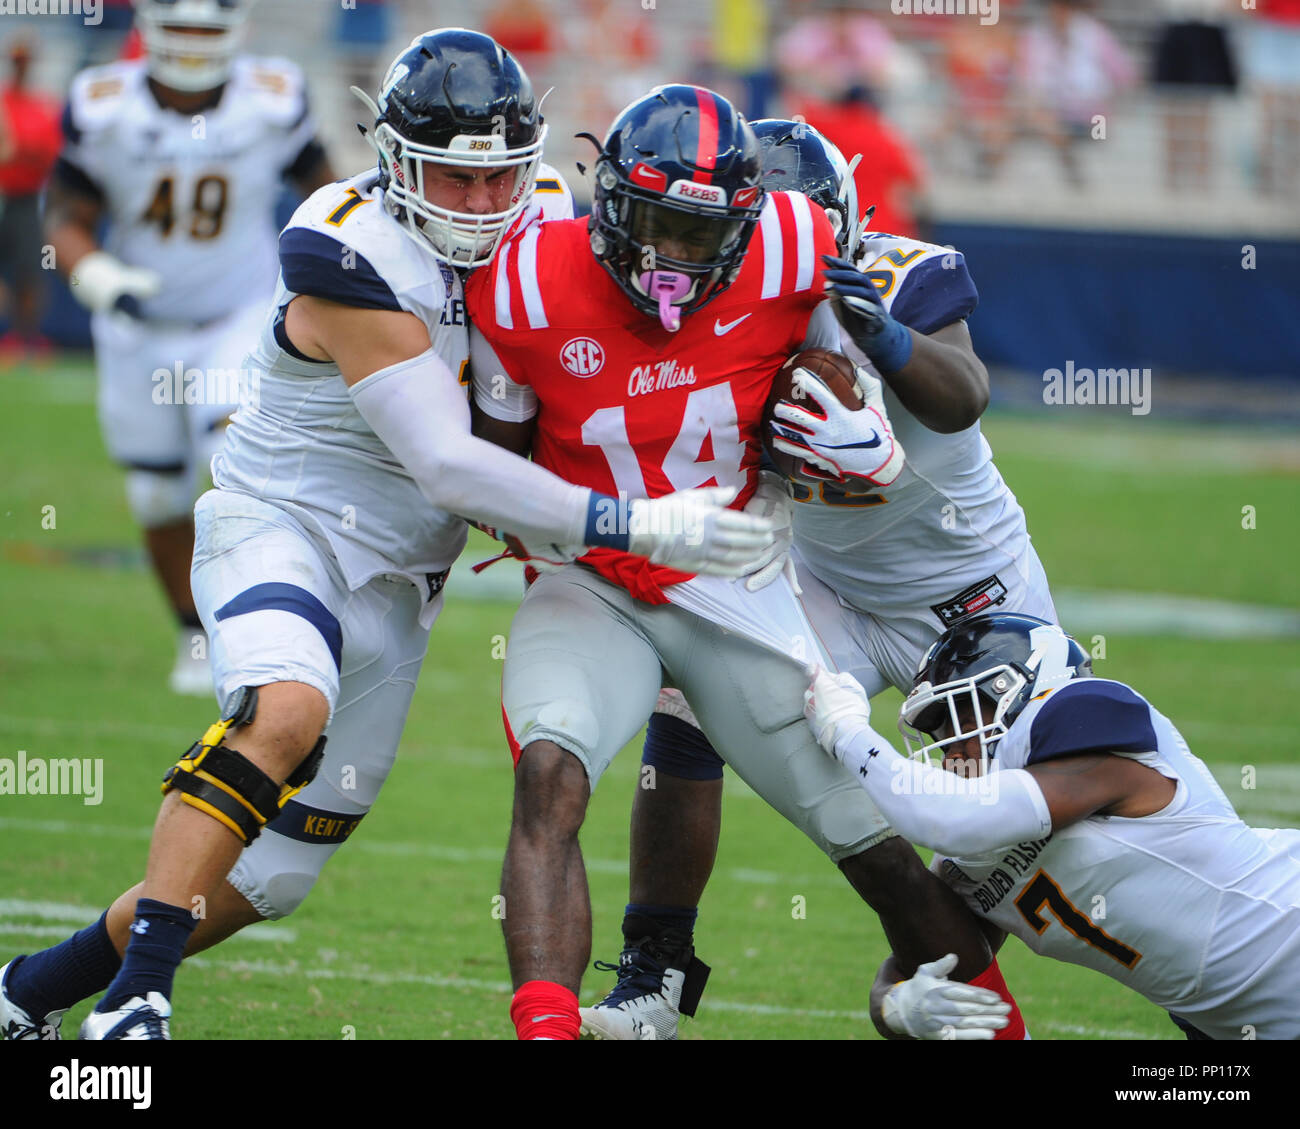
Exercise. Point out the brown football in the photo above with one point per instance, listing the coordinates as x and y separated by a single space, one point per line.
835 371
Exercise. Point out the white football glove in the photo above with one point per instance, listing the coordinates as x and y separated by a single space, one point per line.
930 1006
772 501
836 441
692 530
837 708
101 282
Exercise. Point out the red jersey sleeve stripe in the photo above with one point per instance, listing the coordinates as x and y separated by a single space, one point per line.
789 241
769 227
532 290
804 255
501 292
514 284
706 157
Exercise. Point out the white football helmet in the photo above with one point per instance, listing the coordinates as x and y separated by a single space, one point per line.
190 44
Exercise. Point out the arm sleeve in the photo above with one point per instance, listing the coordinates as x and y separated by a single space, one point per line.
419 411
494 392
934 808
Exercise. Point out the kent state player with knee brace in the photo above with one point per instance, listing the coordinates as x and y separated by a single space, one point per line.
883 569
183 153
337 512
1057 788
635 353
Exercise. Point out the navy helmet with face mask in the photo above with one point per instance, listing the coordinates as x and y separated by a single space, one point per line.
1001 661
682 157
455 98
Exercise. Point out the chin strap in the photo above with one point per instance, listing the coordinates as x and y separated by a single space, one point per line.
665 287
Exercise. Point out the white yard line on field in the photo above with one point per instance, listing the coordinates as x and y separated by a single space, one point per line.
12 909
371 976
437 851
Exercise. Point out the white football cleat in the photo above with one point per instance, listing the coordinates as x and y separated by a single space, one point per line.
657 983
189 675
15 1023
138 1018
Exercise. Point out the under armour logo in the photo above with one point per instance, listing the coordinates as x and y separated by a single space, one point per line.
139 927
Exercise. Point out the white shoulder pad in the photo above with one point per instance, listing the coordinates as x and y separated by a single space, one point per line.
923 285
344 241
98 94
275 86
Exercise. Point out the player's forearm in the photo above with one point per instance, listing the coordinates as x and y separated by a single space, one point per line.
71 242
941 810
943 385
419 411
70 226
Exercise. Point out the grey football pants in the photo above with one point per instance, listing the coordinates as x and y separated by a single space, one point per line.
583 669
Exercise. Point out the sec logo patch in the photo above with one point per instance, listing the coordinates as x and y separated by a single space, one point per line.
582 356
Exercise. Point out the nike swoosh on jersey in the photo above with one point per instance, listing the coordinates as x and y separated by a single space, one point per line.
719 329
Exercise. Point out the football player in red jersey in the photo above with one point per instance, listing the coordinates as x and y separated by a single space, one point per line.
590 350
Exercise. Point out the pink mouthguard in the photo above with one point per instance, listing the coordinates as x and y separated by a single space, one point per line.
665 286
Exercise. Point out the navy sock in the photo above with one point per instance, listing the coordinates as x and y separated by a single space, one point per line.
54 979
158 937
646 920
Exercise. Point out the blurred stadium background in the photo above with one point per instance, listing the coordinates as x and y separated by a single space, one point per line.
1124 179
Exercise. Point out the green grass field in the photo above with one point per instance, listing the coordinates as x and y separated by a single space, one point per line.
399 940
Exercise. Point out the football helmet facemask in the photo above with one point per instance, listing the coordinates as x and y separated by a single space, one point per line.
798 158
455 97
679 169
189 45
1003 660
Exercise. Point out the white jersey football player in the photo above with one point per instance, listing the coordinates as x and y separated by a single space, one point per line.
883 570
183 153
1062 789
338 509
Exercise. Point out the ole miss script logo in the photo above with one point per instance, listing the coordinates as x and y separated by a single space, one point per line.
582 356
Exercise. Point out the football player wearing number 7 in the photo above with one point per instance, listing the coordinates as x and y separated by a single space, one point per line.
634 354
1070 812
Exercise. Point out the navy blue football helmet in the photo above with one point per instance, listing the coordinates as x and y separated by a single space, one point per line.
455 97
798 158
1006 660
679 171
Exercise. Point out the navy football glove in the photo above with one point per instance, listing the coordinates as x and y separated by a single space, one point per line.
888 343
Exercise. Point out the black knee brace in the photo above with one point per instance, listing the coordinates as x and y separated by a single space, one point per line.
225 784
